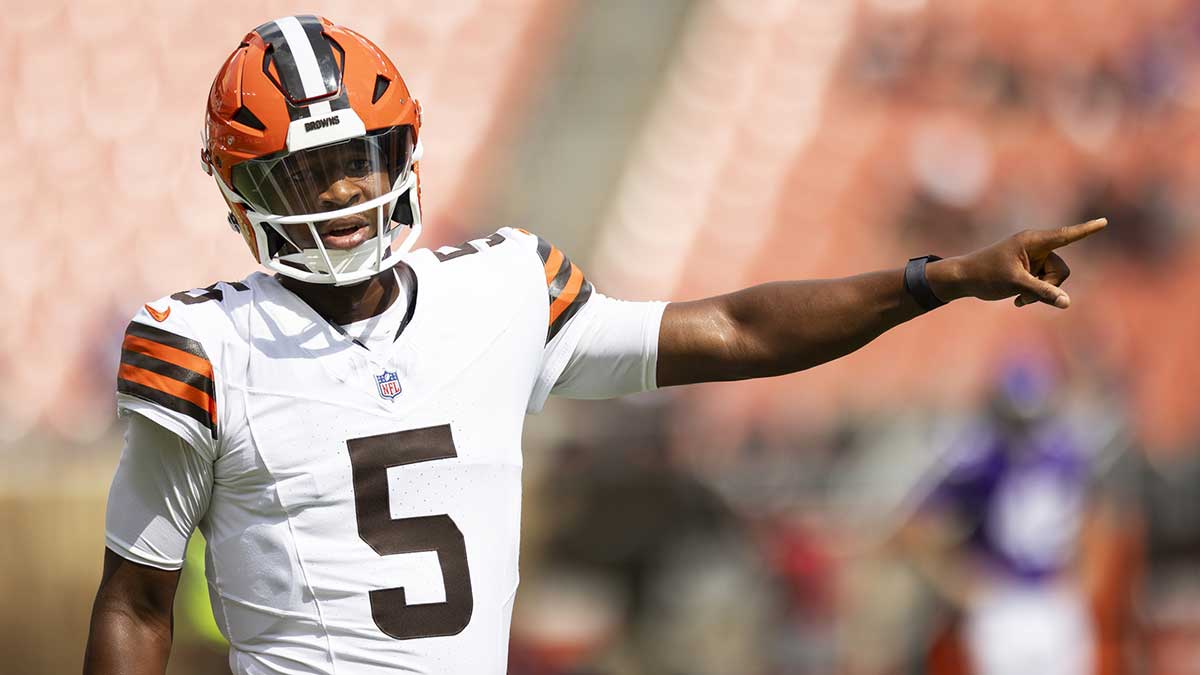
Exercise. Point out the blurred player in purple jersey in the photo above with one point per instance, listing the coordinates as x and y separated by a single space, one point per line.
1008 512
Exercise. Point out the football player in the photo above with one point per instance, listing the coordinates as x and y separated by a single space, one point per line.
345 430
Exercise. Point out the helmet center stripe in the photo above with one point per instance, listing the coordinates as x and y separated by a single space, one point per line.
304 57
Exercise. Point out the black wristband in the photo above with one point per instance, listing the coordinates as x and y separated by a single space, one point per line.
917 285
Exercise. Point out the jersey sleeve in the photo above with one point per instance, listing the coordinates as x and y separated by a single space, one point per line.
596 347
616 351
159 493
166 376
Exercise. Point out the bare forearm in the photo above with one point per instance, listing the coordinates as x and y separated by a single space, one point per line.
783 327
794 325
934 547
131 619
125 643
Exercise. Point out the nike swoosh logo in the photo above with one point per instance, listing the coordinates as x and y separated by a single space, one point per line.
158 316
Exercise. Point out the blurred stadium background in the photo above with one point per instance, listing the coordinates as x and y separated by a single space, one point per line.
680 149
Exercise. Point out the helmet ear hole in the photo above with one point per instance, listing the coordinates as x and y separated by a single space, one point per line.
277 245
403 212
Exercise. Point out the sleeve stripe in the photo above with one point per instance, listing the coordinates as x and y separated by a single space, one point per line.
580 300
568 288
170 370
172 388
167 401
559 282
574 283
543 248
184 375
553 263
164 337
168 353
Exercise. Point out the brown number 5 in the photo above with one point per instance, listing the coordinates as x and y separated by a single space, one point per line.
370 458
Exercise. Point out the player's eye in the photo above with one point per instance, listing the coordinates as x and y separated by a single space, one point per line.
358 166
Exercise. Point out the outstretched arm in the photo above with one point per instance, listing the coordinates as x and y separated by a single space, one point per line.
783 327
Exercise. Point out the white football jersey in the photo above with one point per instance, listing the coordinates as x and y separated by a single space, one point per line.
365 506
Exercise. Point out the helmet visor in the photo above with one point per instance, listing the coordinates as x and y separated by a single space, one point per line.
328 177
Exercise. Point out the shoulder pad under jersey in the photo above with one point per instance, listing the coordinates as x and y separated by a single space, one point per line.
167 369
567 289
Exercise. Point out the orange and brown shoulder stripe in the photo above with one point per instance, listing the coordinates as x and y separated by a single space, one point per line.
569 290
170 370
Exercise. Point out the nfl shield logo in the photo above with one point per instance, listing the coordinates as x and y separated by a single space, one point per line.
389 384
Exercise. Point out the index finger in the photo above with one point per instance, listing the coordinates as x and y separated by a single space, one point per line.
1070 234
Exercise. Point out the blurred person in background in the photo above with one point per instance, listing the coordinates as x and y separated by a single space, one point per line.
1000 535
1165 496
269 412
645 569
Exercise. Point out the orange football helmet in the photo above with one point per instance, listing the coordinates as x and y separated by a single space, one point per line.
301 104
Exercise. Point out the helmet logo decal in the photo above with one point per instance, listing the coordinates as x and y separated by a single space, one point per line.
339 126
321 123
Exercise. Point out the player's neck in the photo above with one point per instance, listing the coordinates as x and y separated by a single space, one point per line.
341 305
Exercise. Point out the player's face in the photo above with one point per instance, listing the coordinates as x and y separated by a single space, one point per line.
325 179
339 182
